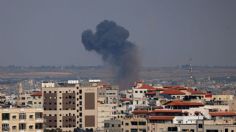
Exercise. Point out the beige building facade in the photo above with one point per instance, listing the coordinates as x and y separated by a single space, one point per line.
21 120
69 106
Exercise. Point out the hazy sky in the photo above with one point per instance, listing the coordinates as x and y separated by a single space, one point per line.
48 32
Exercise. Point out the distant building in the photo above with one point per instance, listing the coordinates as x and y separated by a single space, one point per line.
112 126
30 99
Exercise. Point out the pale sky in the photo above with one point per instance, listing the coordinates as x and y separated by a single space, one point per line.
167 32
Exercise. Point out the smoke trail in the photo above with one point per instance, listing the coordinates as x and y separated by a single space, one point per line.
110 41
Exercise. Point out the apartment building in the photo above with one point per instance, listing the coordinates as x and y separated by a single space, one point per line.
161 124
112 126
107 104
70 105
21 120
139 94
108 94
126 124
175 109
29 98
198 127
105 112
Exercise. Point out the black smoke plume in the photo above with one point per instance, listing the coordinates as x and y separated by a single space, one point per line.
110 41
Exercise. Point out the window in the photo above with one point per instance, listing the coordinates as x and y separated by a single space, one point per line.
5 116
211 130
134 130
5 127
106 125
14 117
31 127
13 127
31 116
22 116
134 123
38 115
38 126
22 126
172 129
199 125
142 123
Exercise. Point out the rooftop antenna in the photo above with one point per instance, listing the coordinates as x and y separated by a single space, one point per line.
190 69
190 72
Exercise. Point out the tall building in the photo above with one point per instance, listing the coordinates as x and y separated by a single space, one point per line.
70 105
107 104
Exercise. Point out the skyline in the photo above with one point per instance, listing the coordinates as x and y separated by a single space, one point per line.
167 33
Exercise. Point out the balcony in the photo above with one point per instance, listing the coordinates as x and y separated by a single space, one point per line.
5 129
39 120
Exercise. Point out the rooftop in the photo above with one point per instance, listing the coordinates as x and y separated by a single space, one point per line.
166 111
172 92
184 103
148 87
165 118
37 93
194 91
223 113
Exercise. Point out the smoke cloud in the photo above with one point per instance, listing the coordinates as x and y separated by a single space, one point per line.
110 41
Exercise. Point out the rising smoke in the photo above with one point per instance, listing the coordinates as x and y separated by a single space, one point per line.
110 41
